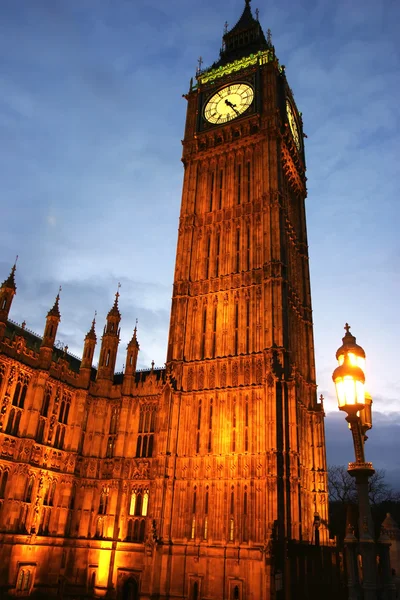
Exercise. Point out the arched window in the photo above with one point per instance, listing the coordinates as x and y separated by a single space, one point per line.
61 414
28 489
103 504
46 404
17 392
145 503
23 395
142 530
20 580
113 423
52 492
27 581
108 358
138 505
72 497
40 430
3 483
99 528
136 531
132 503
129 535
110 447
16 423
10 420
195 593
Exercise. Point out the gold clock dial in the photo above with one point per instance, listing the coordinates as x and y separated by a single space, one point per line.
293 124
228 103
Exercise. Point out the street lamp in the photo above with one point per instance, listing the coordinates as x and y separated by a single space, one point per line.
349 380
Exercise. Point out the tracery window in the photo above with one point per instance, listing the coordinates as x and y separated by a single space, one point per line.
147 419
20 390
14 418
44 521
59 437
64 408
24 580
136 530
28 488
139 502
48 498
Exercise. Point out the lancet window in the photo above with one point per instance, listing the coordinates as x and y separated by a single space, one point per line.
3 483
137 509
14 418
193 521
20 390
198 437
28 489
24 580
147 420
64 408
48 499
44 521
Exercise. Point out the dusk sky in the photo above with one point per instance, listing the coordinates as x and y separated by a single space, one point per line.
91 122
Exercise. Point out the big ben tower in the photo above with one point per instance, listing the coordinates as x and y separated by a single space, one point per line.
244 441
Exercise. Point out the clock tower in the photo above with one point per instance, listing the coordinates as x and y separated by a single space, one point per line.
245 439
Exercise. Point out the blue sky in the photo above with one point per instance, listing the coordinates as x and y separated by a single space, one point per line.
91 118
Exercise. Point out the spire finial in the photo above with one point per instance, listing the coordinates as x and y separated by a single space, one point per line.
269 37
199 64
135 330
226 27
257 14
10 281
117 294
347 328
152 365
55 311
248 2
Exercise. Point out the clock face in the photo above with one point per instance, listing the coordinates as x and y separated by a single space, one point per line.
228 103
293 124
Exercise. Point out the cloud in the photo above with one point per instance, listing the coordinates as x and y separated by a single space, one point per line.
381 447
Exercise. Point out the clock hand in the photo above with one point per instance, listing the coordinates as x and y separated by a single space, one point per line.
228 103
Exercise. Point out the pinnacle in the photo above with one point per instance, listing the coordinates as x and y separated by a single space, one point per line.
114 311
9 283
134 340
55 311
91 334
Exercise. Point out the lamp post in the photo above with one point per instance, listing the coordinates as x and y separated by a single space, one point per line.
349 379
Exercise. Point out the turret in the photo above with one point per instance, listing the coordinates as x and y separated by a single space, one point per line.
50 331
7 292
131 361
88 352
109 342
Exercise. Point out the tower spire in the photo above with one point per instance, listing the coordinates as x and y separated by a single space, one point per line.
7 293
88 352
110 341
50 331
55 311
9 283
245 38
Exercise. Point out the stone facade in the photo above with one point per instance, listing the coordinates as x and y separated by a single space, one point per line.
180 482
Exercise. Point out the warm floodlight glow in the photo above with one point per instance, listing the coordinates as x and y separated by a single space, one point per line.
349 381
354 359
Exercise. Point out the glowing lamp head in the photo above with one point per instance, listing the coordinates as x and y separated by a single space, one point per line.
349 382
350 348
